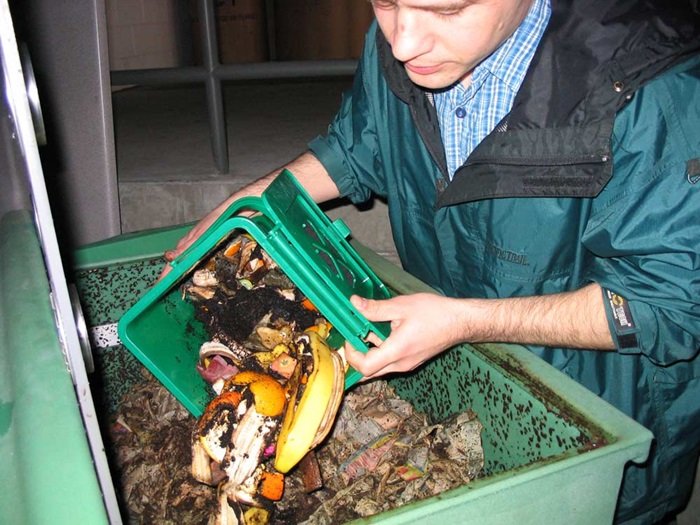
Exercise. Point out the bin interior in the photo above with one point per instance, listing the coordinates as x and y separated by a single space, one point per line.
533 429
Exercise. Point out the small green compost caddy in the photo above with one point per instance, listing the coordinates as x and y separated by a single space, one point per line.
313 252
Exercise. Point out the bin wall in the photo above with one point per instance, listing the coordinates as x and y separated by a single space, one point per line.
46 469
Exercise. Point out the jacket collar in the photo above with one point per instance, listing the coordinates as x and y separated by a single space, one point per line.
422 108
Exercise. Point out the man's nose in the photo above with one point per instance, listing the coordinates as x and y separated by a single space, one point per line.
410 36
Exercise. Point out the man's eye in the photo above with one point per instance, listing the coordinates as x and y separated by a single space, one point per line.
448 13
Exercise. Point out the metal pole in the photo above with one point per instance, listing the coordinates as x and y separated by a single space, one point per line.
291 69
247 71
160 76
215 100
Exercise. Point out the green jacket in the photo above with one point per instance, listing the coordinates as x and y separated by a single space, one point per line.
593 177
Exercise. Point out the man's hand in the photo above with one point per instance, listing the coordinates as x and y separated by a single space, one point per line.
306 168
423 325
195 233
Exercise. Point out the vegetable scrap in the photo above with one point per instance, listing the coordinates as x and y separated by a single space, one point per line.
381 454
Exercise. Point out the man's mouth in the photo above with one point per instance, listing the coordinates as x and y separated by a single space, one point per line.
422 70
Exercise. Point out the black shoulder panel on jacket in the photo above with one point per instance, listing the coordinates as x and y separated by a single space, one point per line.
593 56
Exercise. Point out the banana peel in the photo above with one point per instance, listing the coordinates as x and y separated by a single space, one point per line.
314 402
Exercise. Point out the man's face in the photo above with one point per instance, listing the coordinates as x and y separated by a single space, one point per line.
440 42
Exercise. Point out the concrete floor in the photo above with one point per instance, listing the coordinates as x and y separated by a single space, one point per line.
691 514
167 175
165 165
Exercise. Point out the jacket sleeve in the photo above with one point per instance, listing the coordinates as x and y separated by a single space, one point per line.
349 151
644 229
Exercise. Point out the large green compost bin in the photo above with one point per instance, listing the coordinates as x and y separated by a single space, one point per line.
555 453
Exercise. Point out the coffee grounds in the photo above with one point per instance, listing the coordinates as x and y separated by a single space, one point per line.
236 317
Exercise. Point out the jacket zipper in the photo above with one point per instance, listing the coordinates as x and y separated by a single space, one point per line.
548 161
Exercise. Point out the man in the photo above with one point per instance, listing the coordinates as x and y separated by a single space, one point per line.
540 167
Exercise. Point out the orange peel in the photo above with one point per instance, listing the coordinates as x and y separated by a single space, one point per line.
268 393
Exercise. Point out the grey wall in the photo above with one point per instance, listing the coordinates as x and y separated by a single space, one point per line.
67 42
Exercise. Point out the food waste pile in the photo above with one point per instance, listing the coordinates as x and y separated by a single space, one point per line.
280 442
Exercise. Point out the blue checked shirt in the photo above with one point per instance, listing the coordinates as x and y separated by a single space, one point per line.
468 115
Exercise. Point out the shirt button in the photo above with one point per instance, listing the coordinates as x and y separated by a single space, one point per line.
460 112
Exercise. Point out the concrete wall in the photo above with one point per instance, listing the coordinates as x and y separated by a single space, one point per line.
142 33
68 47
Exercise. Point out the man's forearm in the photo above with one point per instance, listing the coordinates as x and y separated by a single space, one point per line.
311 174
306 169
572 320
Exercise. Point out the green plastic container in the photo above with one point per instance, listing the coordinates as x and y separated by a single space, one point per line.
555 452
313 252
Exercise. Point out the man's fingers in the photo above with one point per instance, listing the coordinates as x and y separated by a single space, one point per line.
185 242
373 339
374 310
165 272
182 245
358 360
375 362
